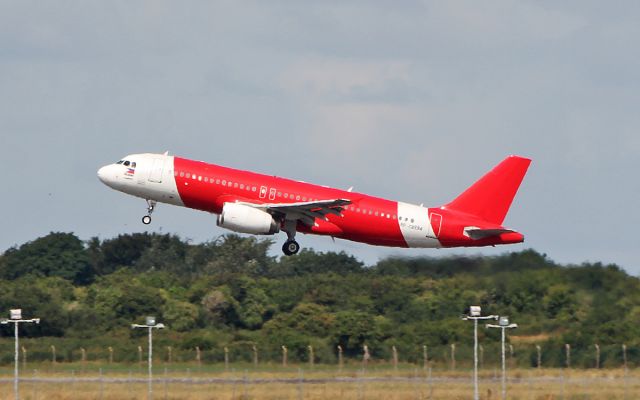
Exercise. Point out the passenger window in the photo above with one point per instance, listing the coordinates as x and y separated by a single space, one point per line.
181 174
188 175
133 164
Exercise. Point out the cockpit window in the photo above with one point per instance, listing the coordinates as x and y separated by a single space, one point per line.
126 163
120 162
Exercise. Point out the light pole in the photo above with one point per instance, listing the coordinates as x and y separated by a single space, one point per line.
503 324
150 326
474 315
16 318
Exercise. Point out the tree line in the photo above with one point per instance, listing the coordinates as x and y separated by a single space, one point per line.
230 292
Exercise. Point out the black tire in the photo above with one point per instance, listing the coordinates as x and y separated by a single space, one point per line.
290 247
146 219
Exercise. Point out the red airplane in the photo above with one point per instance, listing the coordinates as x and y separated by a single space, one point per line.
258 204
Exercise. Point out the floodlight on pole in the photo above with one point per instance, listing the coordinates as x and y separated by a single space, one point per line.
503 324
475 314
16 319
150 326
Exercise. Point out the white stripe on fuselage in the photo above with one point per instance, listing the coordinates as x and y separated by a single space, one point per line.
144 182
415 226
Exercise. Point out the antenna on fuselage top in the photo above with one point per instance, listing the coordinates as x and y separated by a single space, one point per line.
166 153
350 189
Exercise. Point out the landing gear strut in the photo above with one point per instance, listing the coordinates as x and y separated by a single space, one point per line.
290 247
151 205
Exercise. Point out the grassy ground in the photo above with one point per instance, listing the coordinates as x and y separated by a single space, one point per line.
189 382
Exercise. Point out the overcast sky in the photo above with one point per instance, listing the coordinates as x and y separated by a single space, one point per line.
407 100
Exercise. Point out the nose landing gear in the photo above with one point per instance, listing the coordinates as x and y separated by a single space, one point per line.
151 205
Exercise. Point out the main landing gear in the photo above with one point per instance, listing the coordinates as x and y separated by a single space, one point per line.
151 205
290 247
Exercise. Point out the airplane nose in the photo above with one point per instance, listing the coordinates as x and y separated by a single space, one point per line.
107 175
102 174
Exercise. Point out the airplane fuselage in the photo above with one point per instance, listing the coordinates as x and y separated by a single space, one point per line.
359 217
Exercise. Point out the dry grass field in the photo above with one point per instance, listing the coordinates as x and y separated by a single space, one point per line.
320 383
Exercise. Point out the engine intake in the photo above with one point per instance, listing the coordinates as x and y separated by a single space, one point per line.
246 219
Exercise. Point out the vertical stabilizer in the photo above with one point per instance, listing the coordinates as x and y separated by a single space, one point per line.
491 196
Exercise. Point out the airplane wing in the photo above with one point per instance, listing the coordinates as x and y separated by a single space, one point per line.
306 212
477 233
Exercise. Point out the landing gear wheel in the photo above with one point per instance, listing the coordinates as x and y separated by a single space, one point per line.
151 205
290 247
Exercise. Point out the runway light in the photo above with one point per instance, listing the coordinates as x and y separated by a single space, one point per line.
150 325
16 319
474 315
503 324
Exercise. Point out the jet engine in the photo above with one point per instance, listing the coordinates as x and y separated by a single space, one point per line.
246 219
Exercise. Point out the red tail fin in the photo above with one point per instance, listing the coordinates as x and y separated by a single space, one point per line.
491 196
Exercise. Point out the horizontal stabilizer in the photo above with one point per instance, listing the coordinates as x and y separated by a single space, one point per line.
477 233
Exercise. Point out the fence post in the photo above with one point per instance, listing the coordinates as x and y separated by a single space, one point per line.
511 354
198 356
539 351
53 354
110 354
394 352
83 357
226 358
24 358
597 356
340 361
624 356
169 354
365 356
255 355
567 348
311 356
481 355
453 356
284 355
140 356
425 357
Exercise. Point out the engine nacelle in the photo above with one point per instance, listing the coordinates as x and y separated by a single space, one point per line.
246 219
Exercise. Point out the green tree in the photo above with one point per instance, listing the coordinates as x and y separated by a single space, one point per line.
57 255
